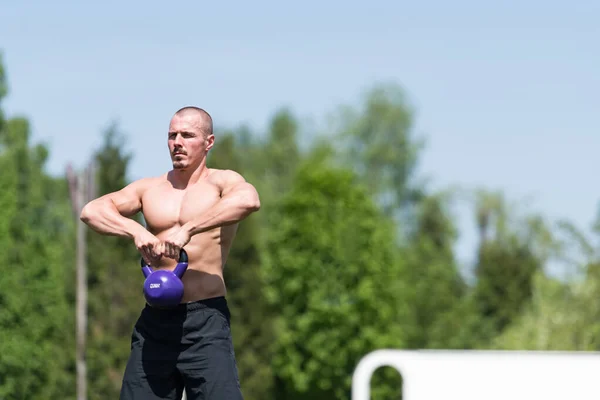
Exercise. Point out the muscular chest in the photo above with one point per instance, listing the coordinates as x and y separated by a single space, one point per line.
164 208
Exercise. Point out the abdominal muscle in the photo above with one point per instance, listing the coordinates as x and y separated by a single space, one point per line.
207 253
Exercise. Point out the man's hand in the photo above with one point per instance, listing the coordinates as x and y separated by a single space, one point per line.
149 246
173 244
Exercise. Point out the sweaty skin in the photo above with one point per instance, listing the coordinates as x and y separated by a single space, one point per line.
191 207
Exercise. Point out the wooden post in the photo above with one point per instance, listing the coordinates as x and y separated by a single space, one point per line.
82 190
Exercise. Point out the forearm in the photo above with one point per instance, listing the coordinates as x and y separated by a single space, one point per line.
103 217
227 211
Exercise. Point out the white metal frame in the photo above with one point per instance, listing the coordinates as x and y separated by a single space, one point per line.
484 375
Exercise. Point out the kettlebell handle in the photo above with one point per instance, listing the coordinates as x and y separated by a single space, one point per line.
183 257
183 260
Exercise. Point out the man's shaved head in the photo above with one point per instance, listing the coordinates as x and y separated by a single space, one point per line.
190 137
204 118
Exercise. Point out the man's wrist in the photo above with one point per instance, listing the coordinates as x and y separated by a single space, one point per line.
189 228
133 228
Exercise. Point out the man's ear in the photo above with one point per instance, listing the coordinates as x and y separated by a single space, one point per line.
210 141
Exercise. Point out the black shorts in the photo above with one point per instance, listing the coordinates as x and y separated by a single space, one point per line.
189 346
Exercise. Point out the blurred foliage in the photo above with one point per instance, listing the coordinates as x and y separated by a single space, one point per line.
334 281
37 241
351 252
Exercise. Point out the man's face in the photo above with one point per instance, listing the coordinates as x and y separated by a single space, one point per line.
188 142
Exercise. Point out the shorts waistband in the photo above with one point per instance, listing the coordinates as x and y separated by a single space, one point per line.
219 302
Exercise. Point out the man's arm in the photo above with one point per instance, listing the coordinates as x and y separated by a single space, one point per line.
238 200
109 214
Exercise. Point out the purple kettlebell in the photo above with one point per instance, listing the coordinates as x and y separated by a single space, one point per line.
163 288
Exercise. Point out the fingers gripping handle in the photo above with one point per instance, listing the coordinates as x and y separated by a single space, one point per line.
179 269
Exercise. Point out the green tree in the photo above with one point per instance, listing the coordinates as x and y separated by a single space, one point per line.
377 141
114 279
561 317
506 266
335 283
36 324
282 154
431 268
251 322
268 162
563 314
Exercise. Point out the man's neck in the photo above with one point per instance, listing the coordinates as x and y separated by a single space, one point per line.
183 178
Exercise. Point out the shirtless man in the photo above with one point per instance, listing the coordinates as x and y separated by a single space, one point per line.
198 208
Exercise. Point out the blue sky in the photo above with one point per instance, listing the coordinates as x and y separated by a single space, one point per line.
507 94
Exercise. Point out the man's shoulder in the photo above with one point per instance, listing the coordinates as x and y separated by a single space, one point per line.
148 182
225 176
